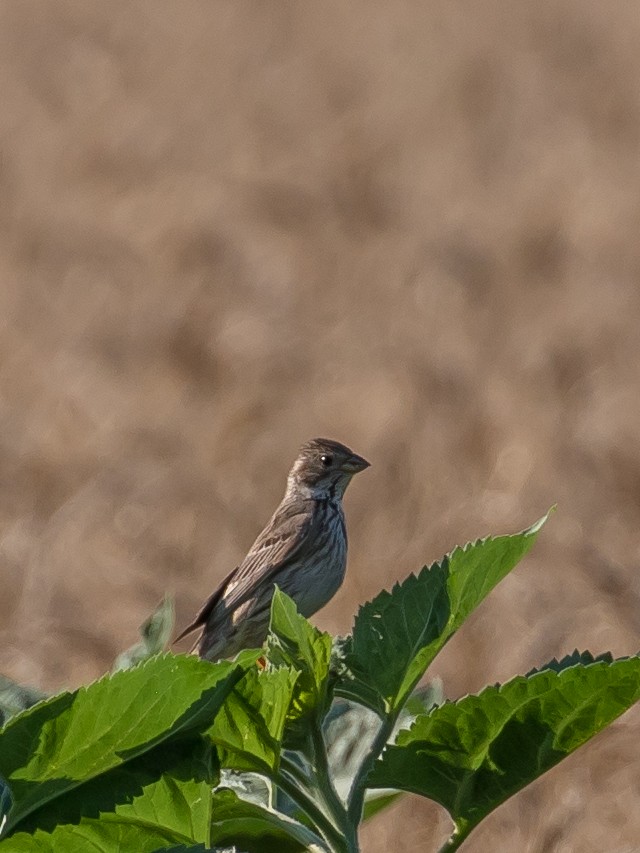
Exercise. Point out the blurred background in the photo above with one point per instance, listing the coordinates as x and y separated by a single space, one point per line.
413 227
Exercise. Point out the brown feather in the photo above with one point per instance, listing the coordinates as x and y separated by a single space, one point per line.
305 536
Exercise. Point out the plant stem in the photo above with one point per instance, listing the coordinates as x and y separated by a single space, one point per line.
321 766
331 805
327 789
295 786
453 842
358 788
295 771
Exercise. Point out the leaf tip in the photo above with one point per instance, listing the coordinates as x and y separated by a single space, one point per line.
539 524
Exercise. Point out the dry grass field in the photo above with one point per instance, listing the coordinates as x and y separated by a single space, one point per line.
226 227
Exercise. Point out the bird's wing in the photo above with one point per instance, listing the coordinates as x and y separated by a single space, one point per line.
203 614
283 539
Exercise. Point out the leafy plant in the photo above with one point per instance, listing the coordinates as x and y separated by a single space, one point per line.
290 747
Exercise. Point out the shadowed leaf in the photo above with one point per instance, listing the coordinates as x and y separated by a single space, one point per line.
256 828
197 848
193 848
169 786
349 732
6 802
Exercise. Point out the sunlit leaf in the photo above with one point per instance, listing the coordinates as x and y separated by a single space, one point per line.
71 738
249 727
293 642
168 787
473 754
106 835
398 634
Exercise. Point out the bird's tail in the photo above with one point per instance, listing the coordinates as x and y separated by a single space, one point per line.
202 617
188 630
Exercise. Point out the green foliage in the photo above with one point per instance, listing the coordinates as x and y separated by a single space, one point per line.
252 827
295 643
178 800
350 731
331 732
106 835
249 728
145 805
155 634
192 848
472 754
64 742
198 848
398 634
6 803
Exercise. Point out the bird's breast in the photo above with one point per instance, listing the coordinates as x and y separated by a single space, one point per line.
321 571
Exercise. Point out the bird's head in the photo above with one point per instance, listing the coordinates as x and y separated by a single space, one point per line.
324 468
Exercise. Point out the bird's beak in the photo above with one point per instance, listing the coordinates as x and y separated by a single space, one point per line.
354 464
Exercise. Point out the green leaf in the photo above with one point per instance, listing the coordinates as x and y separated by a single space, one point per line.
471 755
180 800
105 836
571 660
350 730
99 836
155 633
183 848
65 741
197 848
294 643
252 787
398 634
377 802
249 727
16 697
255 828
168 787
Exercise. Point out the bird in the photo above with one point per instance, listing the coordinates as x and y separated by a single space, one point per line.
303 549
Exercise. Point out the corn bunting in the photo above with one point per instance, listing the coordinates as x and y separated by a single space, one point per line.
303 549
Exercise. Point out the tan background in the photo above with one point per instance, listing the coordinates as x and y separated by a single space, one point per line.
412 226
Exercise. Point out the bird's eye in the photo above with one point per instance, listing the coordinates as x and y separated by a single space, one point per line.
326 459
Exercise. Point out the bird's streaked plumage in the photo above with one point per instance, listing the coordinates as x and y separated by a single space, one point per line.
303 549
